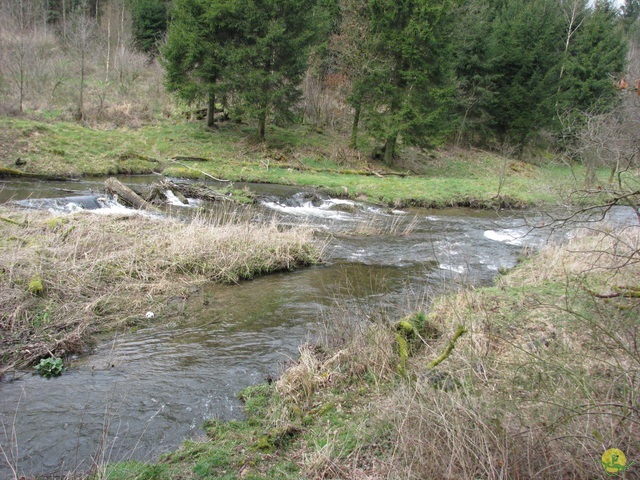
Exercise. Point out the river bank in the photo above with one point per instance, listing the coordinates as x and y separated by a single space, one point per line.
66 277
535 376
297 155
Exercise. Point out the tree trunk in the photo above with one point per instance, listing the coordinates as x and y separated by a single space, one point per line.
64 21
354 127
21 100
211 110
108 64
127 195
389 150
262 123
80 113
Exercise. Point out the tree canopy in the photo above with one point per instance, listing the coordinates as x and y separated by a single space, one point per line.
255 50
419 72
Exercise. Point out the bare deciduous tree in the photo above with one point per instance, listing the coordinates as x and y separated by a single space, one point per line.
17 16
80 40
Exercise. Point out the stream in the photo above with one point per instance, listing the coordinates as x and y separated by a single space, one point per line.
142 393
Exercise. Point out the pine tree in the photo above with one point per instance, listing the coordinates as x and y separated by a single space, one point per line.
410 49
271 56
630 12
596 55
474 71
524 46
200 48
149 23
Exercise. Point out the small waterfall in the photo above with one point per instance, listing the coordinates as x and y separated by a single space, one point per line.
73 203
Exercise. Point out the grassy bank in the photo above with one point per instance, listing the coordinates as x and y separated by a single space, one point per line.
298 155
533 378
63 278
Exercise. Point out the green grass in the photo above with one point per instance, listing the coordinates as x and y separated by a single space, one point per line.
259 447
297 155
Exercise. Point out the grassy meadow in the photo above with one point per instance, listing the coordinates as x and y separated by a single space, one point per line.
299 155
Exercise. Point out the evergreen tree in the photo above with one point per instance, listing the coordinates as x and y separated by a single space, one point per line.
630 12
272 56
474 71
149 23
351 49
200 48
410 51
525 45
596 55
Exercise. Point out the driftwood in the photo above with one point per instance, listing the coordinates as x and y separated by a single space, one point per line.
197 170
127 195
190 159
190 190
374 173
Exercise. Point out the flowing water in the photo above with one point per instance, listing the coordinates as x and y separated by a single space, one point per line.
141 393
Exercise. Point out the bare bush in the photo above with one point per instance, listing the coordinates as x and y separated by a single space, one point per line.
324 102
129 67
26 49
83 68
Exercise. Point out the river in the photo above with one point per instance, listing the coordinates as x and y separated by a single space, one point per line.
143 392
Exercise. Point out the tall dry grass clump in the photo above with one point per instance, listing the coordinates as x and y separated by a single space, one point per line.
64 276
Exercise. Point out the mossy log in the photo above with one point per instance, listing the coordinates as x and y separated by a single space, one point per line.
127 195
11 172
12 221
447 351
180 158
618 292
14 172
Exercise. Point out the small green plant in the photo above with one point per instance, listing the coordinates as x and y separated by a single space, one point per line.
35 286
50 367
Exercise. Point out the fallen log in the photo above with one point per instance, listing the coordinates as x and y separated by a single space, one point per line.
128 196
190 190
12 172
180 158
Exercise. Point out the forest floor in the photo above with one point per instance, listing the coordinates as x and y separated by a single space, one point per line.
297 155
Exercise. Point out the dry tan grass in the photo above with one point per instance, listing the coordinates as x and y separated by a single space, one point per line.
614 253
544 381
369 350
98 272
